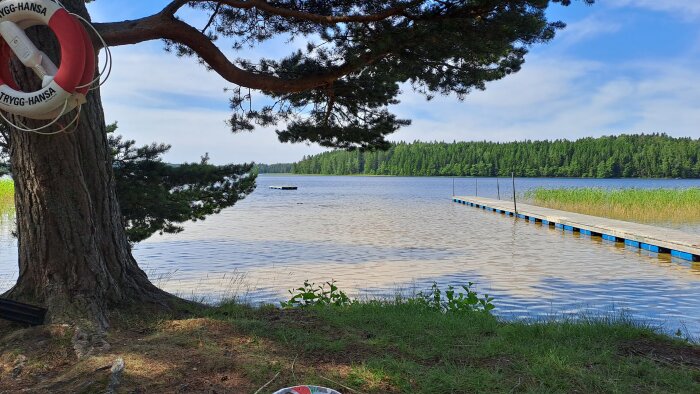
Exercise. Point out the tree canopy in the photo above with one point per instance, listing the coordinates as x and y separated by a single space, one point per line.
359 54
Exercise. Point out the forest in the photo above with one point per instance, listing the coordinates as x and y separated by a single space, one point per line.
277 168
623 156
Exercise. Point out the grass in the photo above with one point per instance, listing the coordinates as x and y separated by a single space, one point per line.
371 347
637 205
7 202
7 191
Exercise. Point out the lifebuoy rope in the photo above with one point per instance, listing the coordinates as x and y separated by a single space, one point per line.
76 121
38 129
108 56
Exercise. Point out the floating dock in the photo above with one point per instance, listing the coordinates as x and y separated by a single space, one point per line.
654 239
284 187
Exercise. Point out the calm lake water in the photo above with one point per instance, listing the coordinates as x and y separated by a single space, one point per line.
377 236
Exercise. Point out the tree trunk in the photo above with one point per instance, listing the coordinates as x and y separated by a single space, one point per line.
74 257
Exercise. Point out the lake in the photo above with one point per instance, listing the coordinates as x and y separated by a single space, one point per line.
377 236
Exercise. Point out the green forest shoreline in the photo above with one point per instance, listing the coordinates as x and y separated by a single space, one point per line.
623 156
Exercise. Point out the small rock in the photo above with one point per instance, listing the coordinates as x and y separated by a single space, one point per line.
19 365
115 380
85 344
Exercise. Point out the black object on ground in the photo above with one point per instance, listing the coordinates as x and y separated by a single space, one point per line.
22 313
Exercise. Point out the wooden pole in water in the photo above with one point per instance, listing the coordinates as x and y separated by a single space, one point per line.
453 186
498 188
476 184
515 203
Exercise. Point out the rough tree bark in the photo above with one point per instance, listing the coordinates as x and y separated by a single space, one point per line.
74 257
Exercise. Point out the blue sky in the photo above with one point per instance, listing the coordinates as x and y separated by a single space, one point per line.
621 66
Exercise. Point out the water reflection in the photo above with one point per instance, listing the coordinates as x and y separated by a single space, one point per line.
376 236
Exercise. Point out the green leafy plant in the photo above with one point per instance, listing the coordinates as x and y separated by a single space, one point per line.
311 294
454 301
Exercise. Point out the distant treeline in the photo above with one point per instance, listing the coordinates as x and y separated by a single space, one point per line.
624 156
279 168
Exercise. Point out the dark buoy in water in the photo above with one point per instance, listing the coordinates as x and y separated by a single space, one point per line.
284 187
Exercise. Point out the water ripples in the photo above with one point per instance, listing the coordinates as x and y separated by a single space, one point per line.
382 236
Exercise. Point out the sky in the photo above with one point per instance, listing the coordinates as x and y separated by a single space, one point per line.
621 66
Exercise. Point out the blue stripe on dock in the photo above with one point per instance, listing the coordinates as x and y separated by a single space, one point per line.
684 255
632 243
569 228
521 216
586 232
559 226
651 248
609 237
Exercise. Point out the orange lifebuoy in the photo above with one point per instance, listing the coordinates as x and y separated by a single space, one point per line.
60 92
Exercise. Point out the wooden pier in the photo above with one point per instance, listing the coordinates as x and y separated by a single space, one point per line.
654 239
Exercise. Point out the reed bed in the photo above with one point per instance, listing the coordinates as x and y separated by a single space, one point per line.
679 206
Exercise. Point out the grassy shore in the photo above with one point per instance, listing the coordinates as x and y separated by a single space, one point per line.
369 347
637 205
7 191
7 195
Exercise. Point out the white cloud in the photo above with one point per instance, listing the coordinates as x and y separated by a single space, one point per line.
192 132
550 98
588 28
154 77
686 9
157 97
564 98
